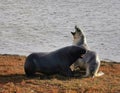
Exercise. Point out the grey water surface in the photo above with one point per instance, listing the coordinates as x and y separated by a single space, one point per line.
28 26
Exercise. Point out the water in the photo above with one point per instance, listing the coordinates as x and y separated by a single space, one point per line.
28 26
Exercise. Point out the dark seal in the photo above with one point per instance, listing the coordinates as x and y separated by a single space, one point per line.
56 62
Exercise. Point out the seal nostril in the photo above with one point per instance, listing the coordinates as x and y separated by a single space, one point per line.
83 51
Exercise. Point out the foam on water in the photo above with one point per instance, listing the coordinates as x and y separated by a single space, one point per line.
44 25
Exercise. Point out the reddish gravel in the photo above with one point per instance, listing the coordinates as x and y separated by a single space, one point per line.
13 80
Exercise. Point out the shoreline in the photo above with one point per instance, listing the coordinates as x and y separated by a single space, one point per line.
106 60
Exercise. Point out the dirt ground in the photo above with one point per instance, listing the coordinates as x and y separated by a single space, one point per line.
13 79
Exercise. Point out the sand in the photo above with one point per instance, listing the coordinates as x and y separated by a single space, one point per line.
13 79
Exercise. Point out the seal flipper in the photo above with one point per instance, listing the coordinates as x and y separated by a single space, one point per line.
66 71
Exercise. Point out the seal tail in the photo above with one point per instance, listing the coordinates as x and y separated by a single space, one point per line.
29 67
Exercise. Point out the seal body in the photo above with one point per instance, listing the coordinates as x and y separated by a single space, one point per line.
91 61
58 61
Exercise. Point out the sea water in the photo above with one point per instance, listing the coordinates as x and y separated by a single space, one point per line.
28 26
